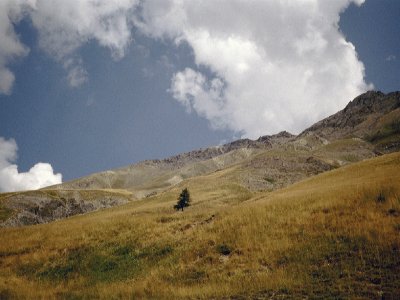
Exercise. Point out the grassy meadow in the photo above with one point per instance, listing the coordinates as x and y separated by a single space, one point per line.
335 235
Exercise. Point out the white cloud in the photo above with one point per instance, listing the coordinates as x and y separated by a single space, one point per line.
391 57
277 65
8 152
66 25
205 96
77 75
283 64
10 47
40 175
63 27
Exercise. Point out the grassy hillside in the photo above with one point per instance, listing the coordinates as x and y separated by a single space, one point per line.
258 169
335 235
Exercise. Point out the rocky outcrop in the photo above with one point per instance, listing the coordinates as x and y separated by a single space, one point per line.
36 207
211 152
277 139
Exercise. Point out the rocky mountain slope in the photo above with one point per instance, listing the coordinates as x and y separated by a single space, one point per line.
35 207
151 176
373 116
368 126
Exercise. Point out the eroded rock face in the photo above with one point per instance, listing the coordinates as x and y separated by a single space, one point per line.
36 208
270 173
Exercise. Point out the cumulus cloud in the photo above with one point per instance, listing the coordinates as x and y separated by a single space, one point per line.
63 27
277 65
205 96
11 11
40 175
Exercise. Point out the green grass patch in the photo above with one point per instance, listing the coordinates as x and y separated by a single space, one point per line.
101 264
342 144
270 180
5 213
390 129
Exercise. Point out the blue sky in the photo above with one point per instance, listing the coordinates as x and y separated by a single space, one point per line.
374 29
83 103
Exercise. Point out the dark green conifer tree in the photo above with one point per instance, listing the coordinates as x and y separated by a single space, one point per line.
183 200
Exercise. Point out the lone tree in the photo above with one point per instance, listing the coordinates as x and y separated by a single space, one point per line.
183 200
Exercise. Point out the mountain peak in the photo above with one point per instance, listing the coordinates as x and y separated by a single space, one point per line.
358 117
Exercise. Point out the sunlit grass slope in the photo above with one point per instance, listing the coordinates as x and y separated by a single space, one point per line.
336 235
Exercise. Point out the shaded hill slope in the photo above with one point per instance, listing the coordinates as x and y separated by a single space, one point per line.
373 116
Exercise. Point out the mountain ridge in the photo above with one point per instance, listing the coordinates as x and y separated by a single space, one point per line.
368 126
371 104
343 124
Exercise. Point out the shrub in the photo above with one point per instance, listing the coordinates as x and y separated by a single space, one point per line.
381 197
224 249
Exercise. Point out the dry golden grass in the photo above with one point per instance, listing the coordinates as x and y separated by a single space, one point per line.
336 235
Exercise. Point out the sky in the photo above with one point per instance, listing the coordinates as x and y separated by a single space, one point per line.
91 85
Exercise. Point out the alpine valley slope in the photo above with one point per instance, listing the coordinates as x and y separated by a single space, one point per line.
331 236
368 126
248 234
